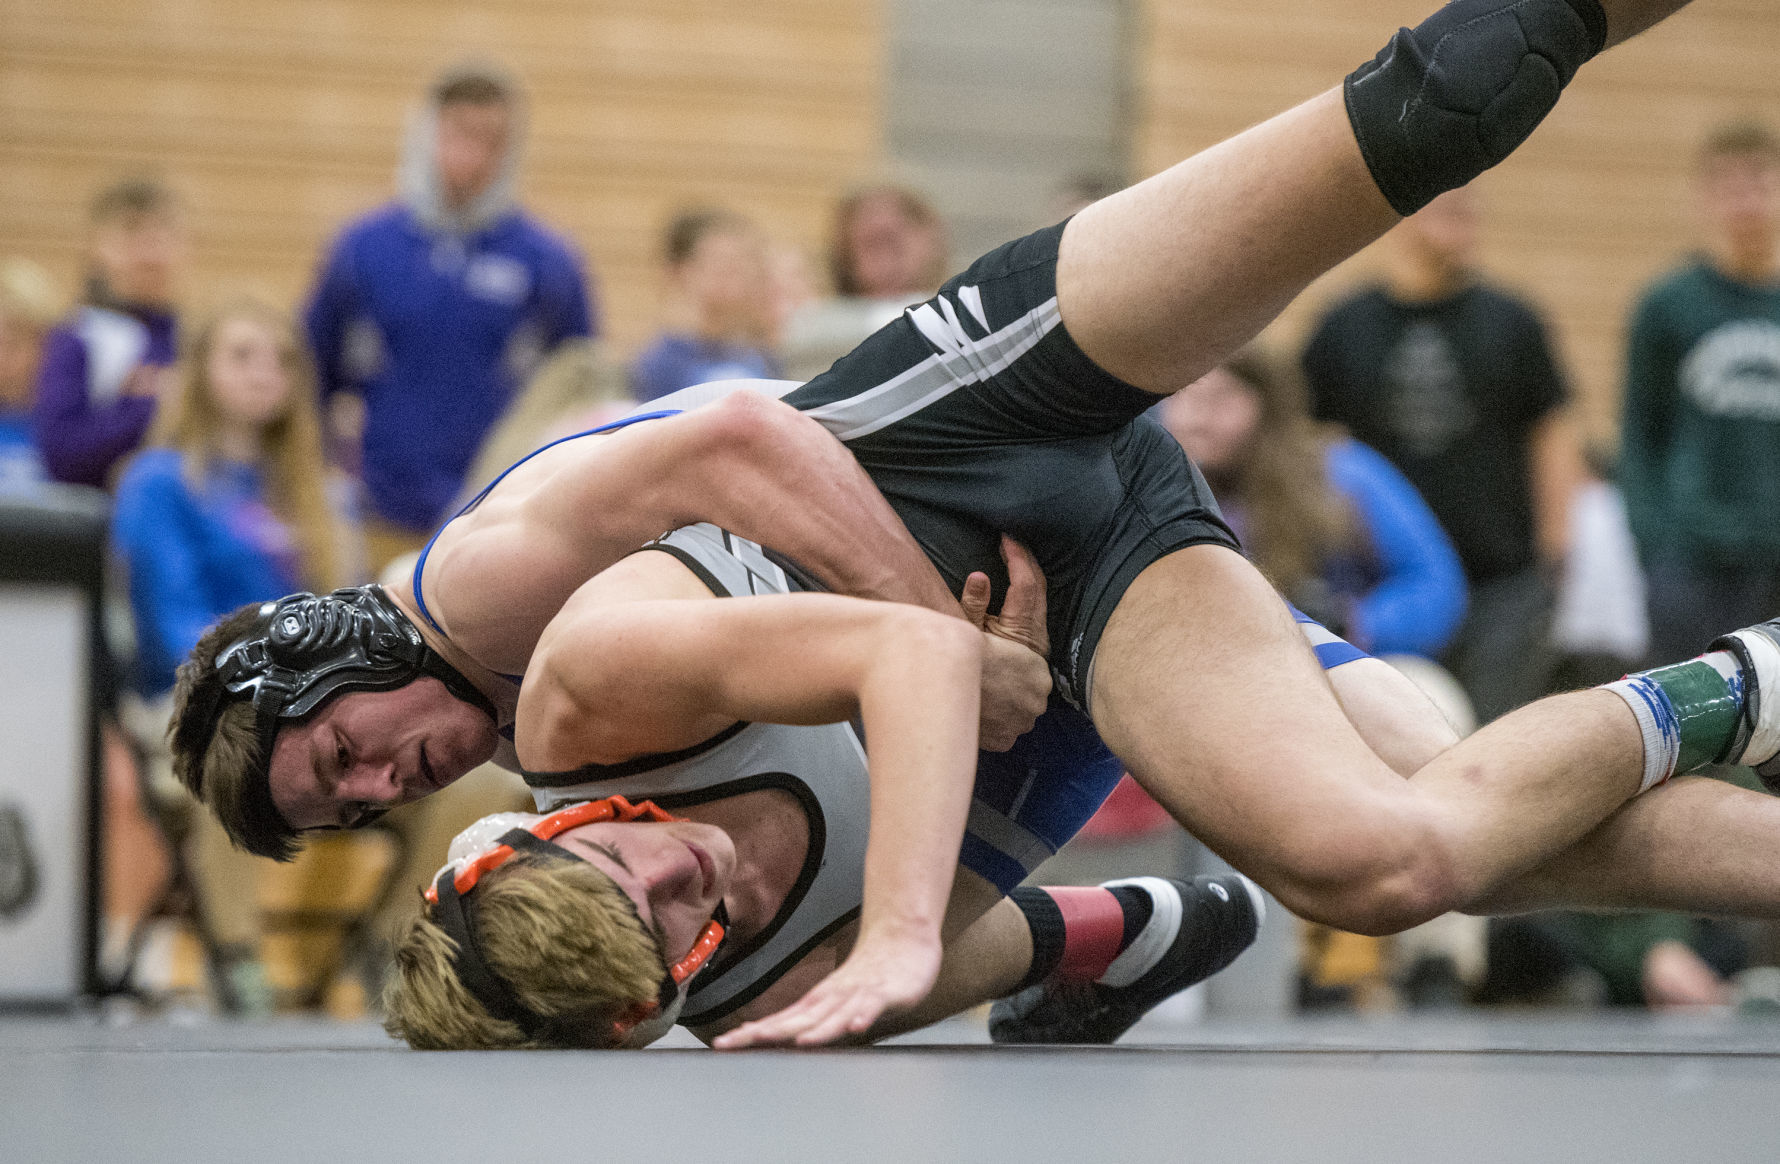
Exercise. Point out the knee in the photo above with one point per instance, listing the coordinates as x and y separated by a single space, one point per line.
1454 96
1374 882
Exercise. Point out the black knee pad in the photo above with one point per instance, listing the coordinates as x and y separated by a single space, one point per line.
1447 100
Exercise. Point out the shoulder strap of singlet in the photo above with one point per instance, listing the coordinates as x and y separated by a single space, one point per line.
420 563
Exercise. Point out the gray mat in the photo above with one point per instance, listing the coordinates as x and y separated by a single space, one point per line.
1449 1090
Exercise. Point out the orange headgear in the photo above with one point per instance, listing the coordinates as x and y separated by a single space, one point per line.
488 844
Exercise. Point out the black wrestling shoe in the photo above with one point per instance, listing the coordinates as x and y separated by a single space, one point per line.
1200 925
1757 743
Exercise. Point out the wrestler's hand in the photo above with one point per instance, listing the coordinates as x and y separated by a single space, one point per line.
886 971
1016 678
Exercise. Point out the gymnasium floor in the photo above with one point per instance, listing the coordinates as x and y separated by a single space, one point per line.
1526 1089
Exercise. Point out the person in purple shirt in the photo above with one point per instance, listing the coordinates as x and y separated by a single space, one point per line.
717 309
104 365
433 309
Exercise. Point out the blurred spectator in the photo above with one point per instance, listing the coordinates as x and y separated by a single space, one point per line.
719 300
790 288
1700 459
1600 627
104 366
1342 534
1456 383
1659 960
579 387
228 506
29 306
888 250
433 309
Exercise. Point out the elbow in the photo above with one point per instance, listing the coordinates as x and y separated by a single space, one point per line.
745 419
759 430
938 644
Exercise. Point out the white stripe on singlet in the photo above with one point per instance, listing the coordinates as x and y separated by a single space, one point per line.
962 361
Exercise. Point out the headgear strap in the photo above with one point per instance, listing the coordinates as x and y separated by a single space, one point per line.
484 985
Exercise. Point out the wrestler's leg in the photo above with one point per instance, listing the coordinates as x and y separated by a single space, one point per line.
1695 845
1224 240
1646 854
1206 689
1160 281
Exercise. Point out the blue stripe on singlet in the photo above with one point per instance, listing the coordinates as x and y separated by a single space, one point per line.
420 563
1331 649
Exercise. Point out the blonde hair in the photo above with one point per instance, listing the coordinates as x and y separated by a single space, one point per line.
561 934
28 296
1296 520
579 375
295 472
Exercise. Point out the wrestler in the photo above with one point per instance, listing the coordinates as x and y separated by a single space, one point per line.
1186 660
595 925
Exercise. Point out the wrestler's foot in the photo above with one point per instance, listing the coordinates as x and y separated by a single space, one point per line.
1757 742
1198 927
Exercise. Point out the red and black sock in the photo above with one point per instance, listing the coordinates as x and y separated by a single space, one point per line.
1077 931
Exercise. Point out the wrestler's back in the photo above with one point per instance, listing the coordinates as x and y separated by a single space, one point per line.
498 572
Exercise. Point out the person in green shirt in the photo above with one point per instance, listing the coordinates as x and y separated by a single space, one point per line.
1700 459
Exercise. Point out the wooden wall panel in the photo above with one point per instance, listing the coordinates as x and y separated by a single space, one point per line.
1580 219
281 121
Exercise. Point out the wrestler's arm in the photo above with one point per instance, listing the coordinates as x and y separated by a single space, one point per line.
643 660
987 951
746 462
759 468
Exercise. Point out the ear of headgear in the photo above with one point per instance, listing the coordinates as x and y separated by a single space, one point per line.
305 649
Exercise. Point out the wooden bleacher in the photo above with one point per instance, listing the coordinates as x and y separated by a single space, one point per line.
282 121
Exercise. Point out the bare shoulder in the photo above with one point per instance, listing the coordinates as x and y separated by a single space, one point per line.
498 573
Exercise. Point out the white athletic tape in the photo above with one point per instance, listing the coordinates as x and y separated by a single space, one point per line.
1656 724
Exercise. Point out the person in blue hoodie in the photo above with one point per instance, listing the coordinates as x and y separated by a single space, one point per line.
434 308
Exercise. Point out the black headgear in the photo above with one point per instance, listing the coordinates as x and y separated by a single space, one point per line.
305 649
